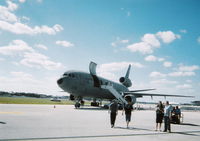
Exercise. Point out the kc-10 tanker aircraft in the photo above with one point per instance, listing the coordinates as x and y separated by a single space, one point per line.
89 85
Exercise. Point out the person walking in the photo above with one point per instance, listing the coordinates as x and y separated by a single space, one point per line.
167 117
159 115
128 108
113 110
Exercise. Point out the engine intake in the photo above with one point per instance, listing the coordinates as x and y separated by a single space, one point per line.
130 98
125 81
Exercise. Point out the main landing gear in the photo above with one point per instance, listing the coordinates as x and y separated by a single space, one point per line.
79 103
95 103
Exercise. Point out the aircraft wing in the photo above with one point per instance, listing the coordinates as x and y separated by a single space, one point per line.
142 90
153 94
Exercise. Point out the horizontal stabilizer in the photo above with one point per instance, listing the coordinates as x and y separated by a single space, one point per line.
153 94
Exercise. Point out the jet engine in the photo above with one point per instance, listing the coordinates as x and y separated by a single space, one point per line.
125 81
130 98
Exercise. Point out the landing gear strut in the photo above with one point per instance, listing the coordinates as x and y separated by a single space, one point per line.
95 103
77 105
79 102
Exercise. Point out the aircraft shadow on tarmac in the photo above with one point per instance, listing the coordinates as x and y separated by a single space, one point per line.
2 122
188 133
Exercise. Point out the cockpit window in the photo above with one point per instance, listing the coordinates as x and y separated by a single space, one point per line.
65 74
71 75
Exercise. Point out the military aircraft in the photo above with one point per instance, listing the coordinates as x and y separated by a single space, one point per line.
88 85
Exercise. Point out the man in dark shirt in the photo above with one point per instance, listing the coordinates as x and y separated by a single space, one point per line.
128 109
113 112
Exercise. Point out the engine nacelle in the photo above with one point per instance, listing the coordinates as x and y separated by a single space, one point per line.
125 81
130 98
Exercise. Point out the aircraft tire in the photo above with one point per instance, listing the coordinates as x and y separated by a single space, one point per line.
77 105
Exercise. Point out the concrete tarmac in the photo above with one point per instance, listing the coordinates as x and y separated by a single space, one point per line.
64 123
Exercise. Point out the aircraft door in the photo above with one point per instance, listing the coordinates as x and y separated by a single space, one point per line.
92 69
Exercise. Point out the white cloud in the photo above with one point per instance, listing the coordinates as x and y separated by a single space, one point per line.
7 15
151 58
119 42
20 74
41 46
58 28
39 1
10 22
184 86
167 64
25 18
167 36
2 59
118 66
198 40
189 81
37 60
179 74
141 47
184 71
157 74
163 81
16 47
183 31
11 6
22 1
151 40
20 28
30 57
107 70
124 41
64 43
188 68
161 59
113 44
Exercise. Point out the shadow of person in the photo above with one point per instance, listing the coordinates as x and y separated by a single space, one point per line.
2 122
189 124
133 128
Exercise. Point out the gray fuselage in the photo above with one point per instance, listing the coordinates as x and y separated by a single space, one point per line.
82 84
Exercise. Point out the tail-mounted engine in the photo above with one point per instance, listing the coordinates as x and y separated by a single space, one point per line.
125 81
130 98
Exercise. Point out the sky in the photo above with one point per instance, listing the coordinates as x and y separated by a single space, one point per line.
41 39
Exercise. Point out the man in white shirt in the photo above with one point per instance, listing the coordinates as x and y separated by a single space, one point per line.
167 117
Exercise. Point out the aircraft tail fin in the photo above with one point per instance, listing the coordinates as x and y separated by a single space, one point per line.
128 72
125 80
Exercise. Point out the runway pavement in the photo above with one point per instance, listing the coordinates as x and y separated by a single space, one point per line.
64 123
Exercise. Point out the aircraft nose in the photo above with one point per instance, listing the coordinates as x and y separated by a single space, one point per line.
60 81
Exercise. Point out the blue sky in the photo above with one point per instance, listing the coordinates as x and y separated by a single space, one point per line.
41 39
